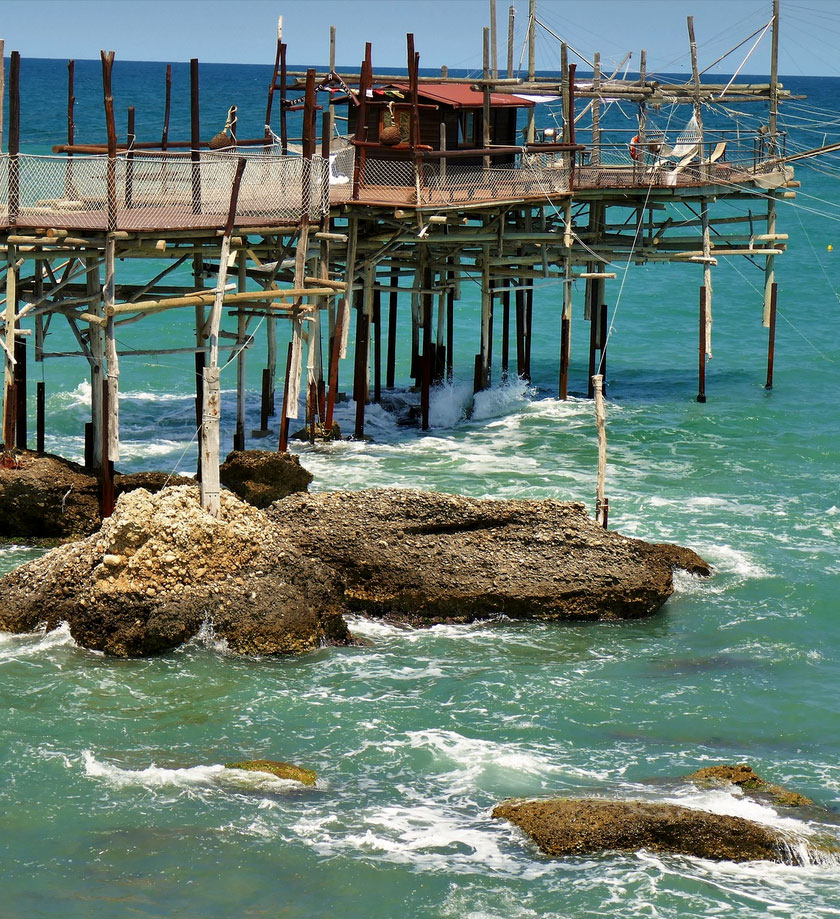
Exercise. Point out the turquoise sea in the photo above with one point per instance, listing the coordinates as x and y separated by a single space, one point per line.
113 802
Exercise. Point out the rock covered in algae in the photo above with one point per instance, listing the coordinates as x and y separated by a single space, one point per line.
743 776
425 556
564 827
278 769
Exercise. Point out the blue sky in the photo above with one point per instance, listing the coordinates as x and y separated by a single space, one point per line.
446 31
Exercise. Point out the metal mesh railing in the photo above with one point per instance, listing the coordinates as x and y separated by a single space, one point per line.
169 191
399 181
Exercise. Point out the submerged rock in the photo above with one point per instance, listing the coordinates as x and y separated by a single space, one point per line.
260 477
279 769
426 556
743 776
568 827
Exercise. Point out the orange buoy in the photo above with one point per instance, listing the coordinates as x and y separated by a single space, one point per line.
634 148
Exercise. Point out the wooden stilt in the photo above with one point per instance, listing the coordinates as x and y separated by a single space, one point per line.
521 369
241 334
602 342
771 340
283 444
505 331
594 320
9 401
565 352
333 368
106 474
529 317
426 301
391 357
377 346
195 137
601 507
40 410
450 324
200 363
360 376
211 390
20 393
701 372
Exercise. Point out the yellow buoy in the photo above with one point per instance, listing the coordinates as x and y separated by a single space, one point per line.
830 247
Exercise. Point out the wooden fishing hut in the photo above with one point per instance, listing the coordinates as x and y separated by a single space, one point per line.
371 224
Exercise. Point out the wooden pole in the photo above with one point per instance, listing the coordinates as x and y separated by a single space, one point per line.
601 422
9 403
129 159
273 85
195 137
532 26
107 68
40 406
106 478
112 380
284 129
96 337
335 351
426 301
701 370
698 105
771 341
596 111
14 136
360 375
391 357
283 445
494 53
511 19
167 108
241 332
20 392
71 126
450 323
2 85
485 115
377 346
211 415
774 81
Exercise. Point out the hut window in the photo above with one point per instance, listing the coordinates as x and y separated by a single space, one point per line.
467 129
401 117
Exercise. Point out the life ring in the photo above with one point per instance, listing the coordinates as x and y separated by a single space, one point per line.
635 153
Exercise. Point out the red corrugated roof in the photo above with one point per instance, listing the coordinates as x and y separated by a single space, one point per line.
460 95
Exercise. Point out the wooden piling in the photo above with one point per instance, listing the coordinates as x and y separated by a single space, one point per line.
426 301
9 402
195 137
771 340
701 371
360 376
167 108
283 443
391 357
40 410
377 346
20 393
106 473
14 137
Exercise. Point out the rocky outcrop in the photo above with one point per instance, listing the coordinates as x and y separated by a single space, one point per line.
277 582
277 769
569 827
160 566
743 777
45 496
426 556
260 477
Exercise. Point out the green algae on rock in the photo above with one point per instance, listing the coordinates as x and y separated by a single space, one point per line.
278 769
573 827
745 778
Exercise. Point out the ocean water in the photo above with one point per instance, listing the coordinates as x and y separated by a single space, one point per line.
114 802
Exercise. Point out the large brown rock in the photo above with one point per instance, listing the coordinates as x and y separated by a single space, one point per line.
428 556
260 477
160 567
568 827
46 496
277 581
